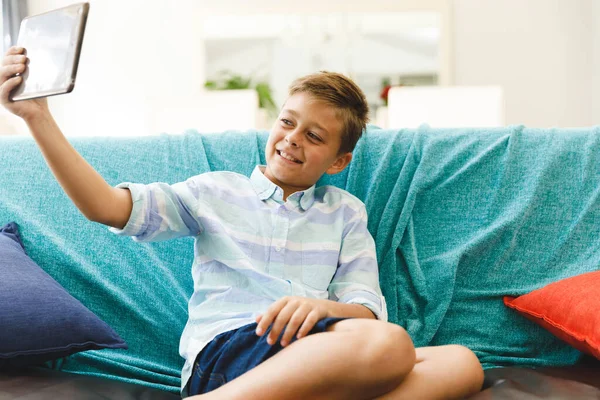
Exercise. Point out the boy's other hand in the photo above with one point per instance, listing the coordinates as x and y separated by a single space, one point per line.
300 314
13 63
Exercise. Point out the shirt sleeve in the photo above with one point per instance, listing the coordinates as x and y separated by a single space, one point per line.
161 211
356 280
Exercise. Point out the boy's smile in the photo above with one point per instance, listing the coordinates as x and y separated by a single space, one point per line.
304 144
289 157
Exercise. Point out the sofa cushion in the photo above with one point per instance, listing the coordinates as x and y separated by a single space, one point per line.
567 308
460 218
40 320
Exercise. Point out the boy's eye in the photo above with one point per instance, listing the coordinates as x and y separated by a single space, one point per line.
313 136
286 121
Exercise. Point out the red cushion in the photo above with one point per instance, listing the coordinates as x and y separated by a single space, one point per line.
569 308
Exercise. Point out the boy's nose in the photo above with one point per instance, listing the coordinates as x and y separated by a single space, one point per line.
293 139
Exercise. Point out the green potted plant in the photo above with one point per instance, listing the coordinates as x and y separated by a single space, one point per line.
227 80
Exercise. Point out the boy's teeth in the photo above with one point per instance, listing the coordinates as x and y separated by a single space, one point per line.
288 157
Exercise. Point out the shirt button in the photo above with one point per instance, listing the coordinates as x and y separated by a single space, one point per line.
277 248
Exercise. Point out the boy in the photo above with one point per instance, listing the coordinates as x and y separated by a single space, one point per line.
286 283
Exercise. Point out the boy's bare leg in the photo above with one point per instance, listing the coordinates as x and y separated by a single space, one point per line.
355 359
442 372
359 359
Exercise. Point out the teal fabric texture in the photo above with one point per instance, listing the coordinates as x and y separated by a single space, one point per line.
460 217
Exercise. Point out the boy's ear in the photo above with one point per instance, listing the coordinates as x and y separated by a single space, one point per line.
339 164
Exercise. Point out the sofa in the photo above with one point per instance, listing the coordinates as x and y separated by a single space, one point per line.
468 223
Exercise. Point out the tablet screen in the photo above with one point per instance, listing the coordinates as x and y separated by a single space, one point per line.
52 41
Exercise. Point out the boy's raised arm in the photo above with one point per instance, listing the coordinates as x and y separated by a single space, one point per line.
95 198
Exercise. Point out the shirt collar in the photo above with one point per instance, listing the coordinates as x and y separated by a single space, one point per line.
265 189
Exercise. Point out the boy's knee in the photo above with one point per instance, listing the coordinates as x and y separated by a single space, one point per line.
469 363
393 336
381 346
391 349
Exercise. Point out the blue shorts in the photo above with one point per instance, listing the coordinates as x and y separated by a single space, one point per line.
232 353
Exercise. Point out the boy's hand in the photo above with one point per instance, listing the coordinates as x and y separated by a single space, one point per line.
300 314
15 62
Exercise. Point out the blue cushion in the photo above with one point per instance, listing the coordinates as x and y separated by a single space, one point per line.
39 319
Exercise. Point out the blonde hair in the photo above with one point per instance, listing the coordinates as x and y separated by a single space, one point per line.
341 93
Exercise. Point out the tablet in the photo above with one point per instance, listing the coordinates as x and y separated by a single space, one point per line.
52 42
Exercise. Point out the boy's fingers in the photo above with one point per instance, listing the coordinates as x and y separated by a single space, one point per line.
280 322
309 322
8 86
15 50
8 71
267 318
292 327
14 59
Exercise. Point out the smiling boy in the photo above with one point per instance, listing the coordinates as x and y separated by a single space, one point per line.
286 301
296 160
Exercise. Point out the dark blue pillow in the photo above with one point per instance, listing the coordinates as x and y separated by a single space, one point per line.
39 319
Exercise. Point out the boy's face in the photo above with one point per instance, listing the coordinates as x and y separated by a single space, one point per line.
304 144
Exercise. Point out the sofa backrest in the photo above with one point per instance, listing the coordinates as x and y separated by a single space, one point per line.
460 217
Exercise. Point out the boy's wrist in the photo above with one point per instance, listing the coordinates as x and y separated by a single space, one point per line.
335 309
42 117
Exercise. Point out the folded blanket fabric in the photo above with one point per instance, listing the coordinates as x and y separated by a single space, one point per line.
460 217
474 215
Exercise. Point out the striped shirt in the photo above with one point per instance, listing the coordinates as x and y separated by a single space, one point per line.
252 248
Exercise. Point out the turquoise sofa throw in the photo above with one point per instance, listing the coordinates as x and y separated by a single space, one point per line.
460 217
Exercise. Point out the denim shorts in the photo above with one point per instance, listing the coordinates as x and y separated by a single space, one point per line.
232 353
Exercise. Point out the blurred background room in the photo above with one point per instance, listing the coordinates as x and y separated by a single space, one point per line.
156 66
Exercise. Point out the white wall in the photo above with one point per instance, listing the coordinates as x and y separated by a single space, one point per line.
134 60
538 50
265 7
140 55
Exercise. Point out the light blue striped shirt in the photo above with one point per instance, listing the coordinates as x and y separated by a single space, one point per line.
252 248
